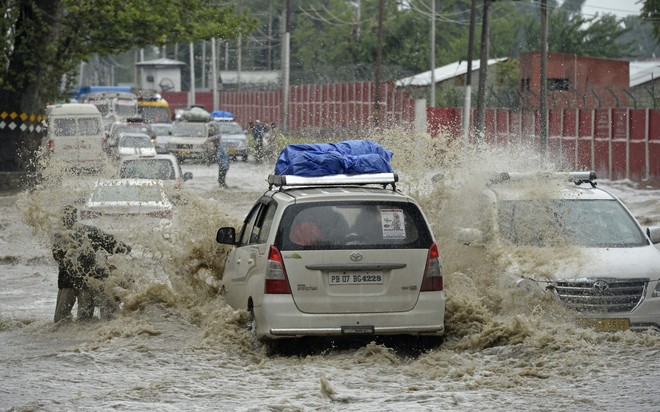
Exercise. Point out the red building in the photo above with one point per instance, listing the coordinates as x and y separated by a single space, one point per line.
575 81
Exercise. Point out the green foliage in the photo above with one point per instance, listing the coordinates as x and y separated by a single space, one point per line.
651 11
43 40
640 37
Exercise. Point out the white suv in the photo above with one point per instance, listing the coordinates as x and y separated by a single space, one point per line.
162 167
335 256
603 264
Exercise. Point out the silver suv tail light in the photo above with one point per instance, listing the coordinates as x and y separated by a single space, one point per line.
276 279
432 280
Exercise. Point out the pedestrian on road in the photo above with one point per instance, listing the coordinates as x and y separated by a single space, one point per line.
259 131
223 163
79 275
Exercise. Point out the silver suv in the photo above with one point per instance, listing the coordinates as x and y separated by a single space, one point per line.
604 266
335 256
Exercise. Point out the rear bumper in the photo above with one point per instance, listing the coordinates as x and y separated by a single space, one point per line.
237 152
194 153
278 317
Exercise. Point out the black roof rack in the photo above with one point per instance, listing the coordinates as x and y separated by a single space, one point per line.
577 177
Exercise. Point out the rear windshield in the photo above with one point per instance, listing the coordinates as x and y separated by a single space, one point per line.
190 130
346 225
229 128
130 129
69 127
161 169
135 141
128 193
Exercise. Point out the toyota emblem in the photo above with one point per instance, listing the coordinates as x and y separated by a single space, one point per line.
356 256
600 286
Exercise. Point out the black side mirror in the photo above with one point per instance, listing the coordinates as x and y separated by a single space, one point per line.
226 235
187 176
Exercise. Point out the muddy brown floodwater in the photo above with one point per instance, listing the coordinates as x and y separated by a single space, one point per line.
177 346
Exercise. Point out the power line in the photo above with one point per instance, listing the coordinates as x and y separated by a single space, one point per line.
633 12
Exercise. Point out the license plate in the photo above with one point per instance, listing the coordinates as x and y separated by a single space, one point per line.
605 325
356 278
184 152
357 330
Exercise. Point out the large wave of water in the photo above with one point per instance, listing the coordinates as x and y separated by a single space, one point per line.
504 347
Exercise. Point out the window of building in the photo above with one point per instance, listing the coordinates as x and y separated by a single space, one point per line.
561 84
524 85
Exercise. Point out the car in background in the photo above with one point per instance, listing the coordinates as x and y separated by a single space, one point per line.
163 132
337 255
75 136
163 167
135 144
134 210
133 125
233 138
612 284
190 141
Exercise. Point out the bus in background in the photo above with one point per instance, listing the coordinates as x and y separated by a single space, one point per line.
116 103
154 109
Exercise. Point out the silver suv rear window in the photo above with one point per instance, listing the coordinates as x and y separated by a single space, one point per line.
346 225
162 169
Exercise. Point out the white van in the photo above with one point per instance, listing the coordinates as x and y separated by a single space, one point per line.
75 135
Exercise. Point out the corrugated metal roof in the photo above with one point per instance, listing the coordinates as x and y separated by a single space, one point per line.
443 73
160 62
644 71
641 72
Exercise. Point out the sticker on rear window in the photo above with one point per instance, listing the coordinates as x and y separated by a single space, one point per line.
393 224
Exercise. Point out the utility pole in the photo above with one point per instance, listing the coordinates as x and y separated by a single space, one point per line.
544 78
467 108
214 75
483 73
203 64
285 68
379 59
432 90
191 94
239 61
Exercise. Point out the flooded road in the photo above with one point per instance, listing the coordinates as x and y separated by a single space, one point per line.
177 346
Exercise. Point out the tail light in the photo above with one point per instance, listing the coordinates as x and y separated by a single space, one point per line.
276 279
51 146
432 280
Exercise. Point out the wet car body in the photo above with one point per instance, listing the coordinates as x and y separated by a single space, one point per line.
163 133
605 266
131 209
351 276
163 167
134 144
234 139
132 126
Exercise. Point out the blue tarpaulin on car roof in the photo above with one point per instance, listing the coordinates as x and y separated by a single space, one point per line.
350 157
221 114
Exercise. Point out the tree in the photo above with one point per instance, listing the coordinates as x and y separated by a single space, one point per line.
43 41
651 11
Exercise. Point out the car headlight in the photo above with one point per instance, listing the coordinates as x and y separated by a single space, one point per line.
656 291
529 285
